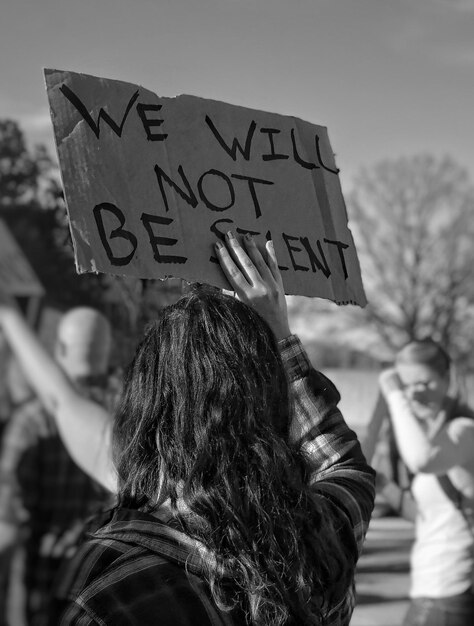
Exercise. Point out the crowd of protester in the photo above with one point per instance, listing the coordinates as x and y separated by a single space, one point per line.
222 486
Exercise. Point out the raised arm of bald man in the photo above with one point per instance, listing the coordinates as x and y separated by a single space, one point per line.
84 426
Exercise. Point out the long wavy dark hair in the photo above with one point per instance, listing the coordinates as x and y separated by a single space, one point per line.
204 422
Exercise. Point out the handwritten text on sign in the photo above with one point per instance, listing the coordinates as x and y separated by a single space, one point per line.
151 183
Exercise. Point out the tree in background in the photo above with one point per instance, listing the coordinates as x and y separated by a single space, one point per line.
413 223
27 178
32 204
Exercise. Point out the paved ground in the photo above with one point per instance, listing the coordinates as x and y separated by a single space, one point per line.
383 573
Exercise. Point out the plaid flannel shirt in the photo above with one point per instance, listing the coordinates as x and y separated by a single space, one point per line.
46 496
136 571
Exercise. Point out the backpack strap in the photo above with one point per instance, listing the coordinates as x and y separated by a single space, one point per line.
451 491
456 498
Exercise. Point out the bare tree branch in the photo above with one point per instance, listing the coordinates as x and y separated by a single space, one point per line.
413 222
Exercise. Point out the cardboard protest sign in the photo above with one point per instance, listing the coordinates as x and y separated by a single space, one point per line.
151 182
16 275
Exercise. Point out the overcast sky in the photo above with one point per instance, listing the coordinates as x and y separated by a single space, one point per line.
387 77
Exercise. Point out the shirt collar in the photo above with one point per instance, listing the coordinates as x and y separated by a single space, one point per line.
142 529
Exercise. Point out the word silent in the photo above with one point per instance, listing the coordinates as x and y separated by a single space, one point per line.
304 255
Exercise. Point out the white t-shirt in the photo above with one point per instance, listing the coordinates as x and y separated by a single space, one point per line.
442 559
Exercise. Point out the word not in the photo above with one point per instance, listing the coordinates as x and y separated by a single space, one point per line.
189 196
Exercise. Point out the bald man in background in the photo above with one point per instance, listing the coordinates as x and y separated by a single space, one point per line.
44 496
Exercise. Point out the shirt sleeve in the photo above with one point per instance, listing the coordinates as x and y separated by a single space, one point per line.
452 446
338 468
